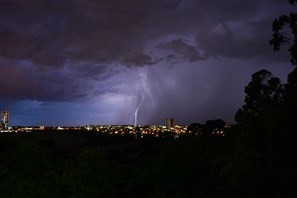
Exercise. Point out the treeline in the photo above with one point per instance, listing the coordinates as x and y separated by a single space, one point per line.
210 128
190 166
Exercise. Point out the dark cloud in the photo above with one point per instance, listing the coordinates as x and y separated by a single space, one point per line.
138 59
50 33
91 70
23 82
242 41
181 49
222 41
241 29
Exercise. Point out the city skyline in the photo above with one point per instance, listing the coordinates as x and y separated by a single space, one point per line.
74 63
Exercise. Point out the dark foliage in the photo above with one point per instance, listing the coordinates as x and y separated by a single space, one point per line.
281 37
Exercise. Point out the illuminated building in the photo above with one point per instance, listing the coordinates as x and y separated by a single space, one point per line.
170 123
4 122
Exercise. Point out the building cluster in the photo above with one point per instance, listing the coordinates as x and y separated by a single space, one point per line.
4 121
169 123
169 129
155 130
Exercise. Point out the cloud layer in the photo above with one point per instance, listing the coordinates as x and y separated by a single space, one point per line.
101 56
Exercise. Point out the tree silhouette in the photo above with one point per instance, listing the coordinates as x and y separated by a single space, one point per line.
282 37
213 126
285 32
196 128
291 88
263 95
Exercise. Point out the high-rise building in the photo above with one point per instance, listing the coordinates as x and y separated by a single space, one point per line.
5 118
170 123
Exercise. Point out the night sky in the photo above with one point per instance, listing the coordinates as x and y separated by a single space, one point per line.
92 62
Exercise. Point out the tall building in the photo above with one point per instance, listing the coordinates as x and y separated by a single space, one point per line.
170 123
5 118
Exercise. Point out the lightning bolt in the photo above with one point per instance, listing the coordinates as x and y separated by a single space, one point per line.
136 111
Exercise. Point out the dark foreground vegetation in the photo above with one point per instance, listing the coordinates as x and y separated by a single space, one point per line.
92 165
257 157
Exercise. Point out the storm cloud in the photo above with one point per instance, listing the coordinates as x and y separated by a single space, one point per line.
180 49
91 61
